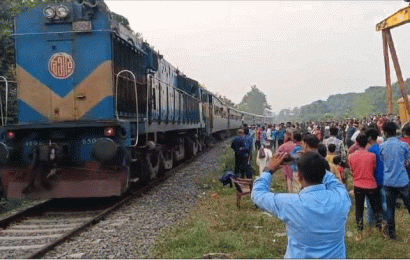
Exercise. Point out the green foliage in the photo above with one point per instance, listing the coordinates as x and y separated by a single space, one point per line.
226 100
124 21
372 101
254 102
9 9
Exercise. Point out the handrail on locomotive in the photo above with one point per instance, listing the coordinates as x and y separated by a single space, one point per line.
4 122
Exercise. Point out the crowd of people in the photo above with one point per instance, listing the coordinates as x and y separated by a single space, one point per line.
369 151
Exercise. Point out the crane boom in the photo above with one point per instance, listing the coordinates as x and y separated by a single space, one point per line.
400 17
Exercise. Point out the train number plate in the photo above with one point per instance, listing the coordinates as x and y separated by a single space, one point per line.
82 26
89 140
31 143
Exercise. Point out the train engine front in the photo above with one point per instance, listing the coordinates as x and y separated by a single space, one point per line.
68 141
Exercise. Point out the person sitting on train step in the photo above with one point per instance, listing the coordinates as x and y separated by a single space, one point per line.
316 217
44 158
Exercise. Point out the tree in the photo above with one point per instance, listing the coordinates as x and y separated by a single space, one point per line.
124 21
9 9
254 102
226 100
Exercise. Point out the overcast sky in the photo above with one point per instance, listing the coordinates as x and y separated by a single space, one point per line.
296 52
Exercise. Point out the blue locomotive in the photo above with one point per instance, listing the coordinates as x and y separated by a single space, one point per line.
99 108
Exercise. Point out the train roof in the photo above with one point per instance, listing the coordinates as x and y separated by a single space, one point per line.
142 46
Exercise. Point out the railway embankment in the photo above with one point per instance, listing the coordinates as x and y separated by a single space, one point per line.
132 231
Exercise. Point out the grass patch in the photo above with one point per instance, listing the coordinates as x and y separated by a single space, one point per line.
217 227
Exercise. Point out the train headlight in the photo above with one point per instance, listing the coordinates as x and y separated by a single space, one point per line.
109 131
62 11
49 12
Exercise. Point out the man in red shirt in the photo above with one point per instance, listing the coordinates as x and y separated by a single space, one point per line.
258 138
287 147
362 164
406 134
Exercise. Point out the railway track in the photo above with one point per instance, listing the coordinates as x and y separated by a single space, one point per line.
37 230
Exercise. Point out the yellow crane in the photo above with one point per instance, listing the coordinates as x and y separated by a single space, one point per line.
399 18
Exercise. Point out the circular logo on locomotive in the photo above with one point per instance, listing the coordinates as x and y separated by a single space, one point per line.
61 65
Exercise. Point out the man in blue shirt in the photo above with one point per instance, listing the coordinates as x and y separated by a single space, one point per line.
280 135
274 135
241 154
316 217
372 135
248 148
252 134
395 179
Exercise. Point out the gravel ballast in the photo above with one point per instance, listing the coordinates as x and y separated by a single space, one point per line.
130 231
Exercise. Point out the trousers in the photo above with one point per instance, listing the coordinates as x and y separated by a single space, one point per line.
391 195
375 203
